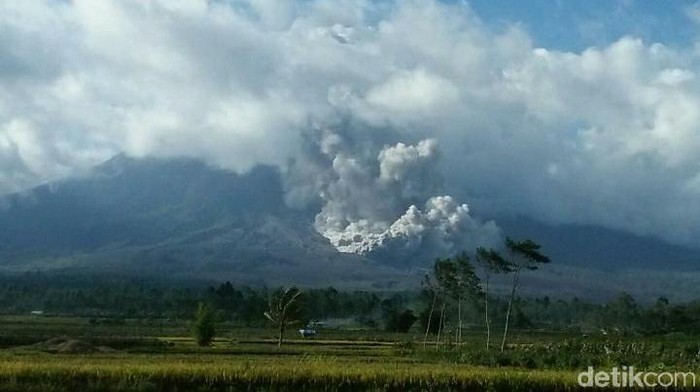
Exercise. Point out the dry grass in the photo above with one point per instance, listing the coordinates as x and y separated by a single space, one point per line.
222 372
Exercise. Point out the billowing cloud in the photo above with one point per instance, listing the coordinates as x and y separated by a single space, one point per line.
369 203
606 136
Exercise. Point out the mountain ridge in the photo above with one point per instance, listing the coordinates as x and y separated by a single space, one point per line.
181 217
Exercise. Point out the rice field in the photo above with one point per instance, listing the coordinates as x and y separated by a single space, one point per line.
147 372
93 359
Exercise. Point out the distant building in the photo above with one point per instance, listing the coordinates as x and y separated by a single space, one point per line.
37 312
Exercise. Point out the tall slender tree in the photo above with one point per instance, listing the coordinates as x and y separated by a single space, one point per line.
431 288
457 281
444 271
522 254
492 263
465 284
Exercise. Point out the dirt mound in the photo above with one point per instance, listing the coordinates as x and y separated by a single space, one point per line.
69 346
75 346
51 342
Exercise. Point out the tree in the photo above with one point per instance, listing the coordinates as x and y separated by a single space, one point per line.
204 325
445 271
492 263
430 289
452 279
524 254
623 313
462 284
284 309
398 321
226 298
658 316
434 284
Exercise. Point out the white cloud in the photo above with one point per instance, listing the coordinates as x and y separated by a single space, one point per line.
416 92
606 136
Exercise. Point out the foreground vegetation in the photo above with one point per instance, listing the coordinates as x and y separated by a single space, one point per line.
219 372
296 369
249 359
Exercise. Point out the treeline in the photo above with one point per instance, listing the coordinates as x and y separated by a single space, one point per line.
620 316
248 304
73 295
98 297
92 296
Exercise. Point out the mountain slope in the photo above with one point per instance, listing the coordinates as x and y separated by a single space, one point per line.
174 217
601 248
182 218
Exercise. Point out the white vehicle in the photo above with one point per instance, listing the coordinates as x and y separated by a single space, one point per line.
308 331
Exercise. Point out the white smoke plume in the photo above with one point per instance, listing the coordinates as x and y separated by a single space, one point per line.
369 203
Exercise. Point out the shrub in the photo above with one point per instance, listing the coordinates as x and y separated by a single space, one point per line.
400 321
204 325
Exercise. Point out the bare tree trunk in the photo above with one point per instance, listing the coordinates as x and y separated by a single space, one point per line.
442 321
279 341
459 315
430 319
510 306
457 334
456 340
486 312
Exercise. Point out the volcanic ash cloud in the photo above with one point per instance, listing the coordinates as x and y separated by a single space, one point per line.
386 204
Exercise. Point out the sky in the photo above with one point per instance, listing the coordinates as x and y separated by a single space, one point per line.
577 25
404 119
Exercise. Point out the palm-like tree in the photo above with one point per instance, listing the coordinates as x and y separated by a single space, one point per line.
525 254
284 309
